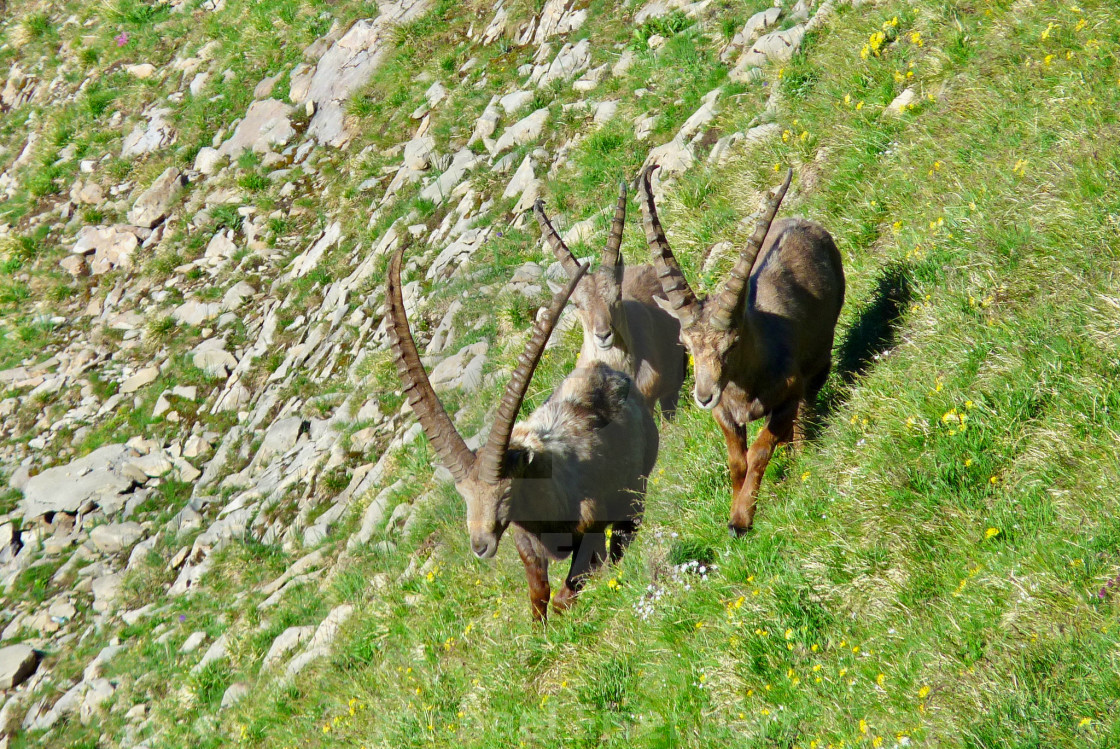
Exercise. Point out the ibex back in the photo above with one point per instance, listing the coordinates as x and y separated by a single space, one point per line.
622 324
576 466
762 346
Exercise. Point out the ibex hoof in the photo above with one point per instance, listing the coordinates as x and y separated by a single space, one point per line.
563 600
738 531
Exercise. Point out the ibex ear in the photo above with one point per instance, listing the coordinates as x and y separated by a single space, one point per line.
525 462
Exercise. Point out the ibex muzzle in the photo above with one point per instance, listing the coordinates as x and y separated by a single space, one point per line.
762 345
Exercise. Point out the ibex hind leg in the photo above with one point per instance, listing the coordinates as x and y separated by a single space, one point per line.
622 533
588 554
805 427
778 429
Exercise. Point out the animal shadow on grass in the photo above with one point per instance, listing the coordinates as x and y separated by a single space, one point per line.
873 332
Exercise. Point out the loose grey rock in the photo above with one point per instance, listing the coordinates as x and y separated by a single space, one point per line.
236 692
153 136
106 591
192 642
155 203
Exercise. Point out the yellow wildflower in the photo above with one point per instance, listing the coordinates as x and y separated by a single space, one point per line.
862 725
991 533
1049 27
1084 723
916 39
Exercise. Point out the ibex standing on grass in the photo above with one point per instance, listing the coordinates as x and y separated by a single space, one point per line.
576 466
762 346
622 325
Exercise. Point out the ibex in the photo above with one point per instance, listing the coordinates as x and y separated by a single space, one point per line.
622 325
762 346
577 465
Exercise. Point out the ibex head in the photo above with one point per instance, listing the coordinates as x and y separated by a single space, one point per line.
485 479
709 326
598 299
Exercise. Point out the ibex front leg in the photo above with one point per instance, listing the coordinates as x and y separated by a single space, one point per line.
536 570
778 429
588 553
736 437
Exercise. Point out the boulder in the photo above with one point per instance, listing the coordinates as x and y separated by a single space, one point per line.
98 477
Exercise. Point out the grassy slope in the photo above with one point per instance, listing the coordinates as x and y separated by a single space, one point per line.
905 577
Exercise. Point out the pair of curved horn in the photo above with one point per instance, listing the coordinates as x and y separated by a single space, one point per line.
445 438
673 282
569 262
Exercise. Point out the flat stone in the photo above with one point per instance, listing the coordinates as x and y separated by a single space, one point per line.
144 377
347 66
526 130
286 642
113 537
264 126
515 101
17 663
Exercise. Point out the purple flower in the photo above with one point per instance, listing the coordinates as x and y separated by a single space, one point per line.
182 618
121 39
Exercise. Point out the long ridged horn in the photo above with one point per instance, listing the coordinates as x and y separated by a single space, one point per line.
618 223
673 283
732 292
492 458
555 243
443 435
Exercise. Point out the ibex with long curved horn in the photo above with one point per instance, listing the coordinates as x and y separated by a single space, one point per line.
762 346
622 325
577 465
